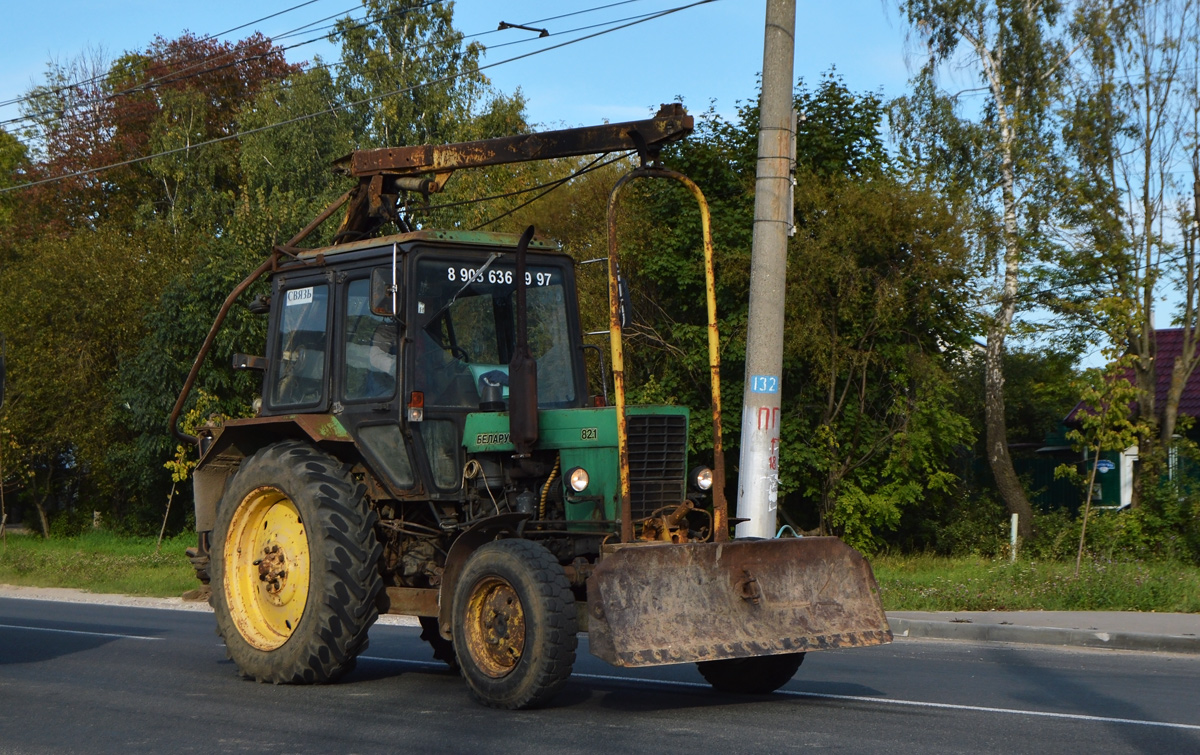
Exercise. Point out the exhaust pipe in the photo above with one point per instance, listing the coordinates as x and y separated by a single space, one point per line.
522 370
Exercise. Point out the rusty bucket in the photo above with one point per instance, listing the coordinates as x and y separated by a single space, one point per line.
650 605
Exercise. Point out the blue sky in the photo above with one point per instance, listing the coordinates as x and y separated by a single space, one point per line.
708 53
711 52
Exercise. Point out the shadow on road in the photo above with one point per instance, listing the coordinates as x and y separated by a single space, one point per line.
34 645
1051 689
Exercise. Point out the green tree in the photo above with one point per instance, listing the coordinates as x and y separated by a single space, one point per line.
1131 126
85 259
876 305
1107 423
1040 387
70 320
13 157
279 179
1001 159
417 54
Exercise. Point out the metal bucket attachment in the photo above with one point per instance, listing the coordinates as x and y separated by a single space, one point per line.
650 605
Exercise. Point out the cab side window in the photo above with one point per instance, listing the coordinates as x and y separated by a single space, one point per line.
303 342
371 345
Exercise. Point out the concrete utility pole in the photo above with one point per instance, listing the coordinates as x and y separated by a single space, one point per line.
758 478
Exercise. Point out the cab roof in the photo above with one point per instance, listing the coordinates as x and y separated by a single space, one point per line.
457 239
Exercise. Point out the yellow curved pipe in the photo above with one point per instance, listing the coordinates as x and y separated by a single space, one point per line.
720 506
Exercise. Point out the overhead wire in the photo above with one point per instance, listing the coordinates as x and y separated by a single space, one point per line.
174 77
578 12
551 186
517 192
366 21
363 101
264 18
94 79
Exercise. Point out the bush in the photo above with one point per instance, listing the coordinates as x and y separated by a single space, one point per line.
1055 536
977 527
1165 527
71 522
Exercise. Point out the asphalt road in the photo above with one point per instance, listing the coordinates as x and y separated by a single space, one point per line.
95 678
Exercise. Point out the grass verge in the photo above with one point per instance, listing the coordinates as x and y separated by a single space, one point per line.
105 563
100 562
934 583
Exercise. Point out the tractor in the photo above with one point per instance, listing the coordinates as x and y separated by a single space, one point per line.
426 444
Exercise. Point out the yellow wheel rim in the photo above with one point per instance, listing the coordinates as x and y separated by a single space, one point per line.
495 627
266 568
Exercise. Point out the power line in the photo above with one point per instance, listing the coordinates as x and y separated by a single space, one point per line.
174 76
552 186
94 79
578 12
517 192
264 18
345 106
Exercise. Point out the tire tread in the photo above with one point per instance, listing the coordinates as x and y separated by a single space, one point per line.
550 650
345 528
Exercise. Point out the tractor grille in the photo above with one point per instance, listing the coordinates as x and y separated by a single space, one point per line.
657 461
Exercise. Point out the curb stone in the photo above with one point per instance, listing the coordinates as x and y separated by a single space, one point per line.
946 630
902 628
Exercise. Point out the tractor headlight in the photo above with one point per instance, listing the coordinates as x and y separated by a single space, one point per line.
577 478
702 478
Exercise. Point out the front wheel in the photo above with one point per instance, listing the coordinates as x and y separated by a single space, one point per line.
294 566
759 675
514 624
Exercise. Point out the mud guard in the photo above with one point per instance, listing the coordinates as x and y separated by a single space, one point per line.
652 605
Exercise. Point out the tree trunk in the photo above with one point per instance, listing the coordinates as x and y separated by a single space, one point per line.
828 485
39 502
1185 363
1007 482
43 522
1145 374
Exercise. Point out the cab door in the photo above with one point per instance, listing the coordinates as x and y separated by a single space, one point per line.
369 384
299 365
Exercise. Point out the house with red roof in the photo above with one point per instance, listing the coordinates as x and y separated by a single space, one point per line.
1115 471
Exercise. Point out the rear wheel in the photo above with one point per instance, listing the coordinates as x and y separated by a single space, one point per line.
514 624
759 675
294 566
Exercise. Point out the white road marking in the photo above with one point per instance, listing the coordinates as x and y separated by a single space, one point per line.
920 704
77 631
418 664
854 698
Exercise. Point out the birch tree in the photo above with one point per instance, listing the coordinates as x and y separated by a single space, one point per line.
1016 49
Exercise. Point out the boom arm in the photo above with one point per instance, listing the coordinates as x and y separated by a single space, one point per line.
384 173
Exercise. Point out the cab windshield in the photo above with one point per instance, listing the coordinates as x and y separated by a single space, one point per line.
465 330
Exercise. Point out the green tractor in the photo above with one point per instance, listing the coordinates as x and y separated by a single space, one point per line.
427 445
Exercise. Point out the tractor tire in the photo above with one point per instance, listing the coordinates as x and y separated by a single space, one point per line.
759 675
443 649
294 566
514 625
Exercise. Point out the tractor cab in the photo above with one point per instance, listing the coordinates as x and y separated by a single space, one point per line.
413 362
